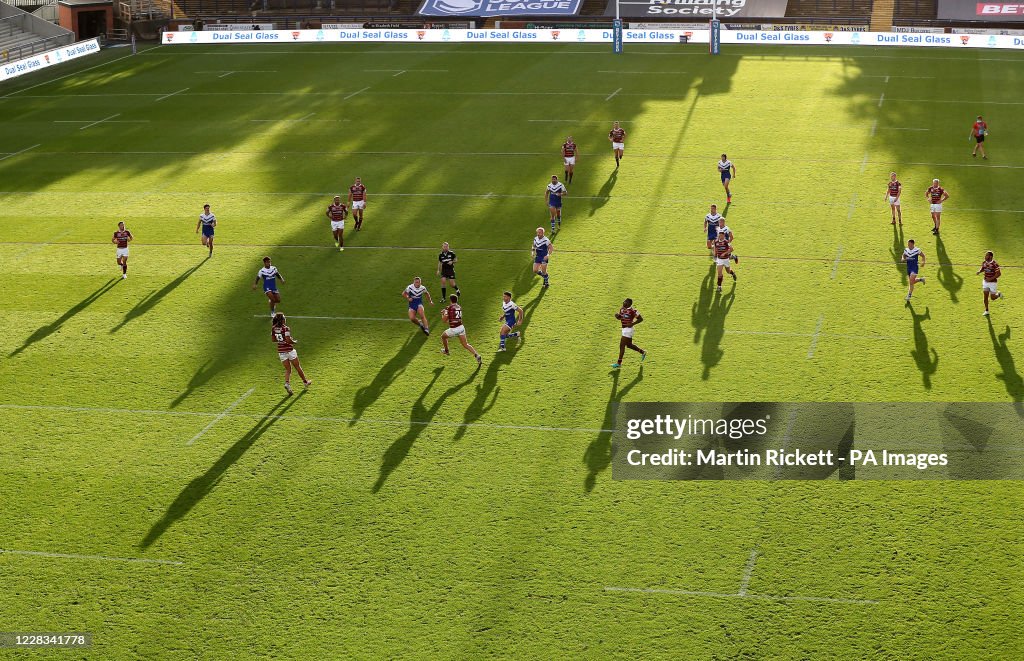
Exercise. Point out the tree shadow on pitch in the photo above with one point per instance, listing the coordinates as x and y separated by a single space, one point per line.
701 309
201 486
51 328
926 358
598 454
419 418
711 351
897 252
1010 377
948 278
150 301
387 375
604 194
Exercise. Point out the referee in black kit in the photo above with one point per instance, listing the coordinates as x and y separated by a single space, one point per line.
446 269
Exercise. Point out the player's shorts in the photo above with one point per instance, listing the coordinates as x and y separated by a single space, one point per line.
448 272
361 204
911 269
453 332
285 356
895 201
337 225
618 146
627 332
510 321
207 230
270 286
569 160
722 262
415 305
726 175
937 208
988 286
540 259
712 232
554 201
122 252
979 139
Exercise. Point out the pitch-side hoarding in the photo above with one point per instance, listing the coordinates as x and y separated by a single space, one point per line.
48 59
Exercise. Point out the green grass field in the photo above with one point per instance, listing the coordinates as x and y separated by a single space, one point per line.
409 505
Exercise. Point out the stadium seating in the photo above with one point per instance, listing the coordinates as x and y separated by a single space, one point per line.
18 41
915 10
829 9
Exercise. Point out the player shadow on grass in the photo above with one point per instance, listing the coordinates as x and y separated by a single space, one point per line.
598 454
711 351
604 194
419 418
897 252
387 375
948 278
201 486
45 331
702 306
1010 377
150 301
926 358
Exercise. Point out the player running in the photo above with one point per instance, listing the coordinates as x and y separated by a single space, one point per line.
357 201
936 194
728 172
912 255
446 269
990 267
336 212
511 317
453 315
414 294
121 239
723 253
553 194
711 226
207 221
282 335
629 317
542 249
269 275
617 136
569 154
978 131
893 191
723 230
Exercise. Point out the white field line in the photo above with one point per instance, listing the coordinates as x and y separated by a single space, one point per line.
13 154
99 121
239 71
79 556
108 121
300 119
398 71
903 128
220 417
874 127
354 93
747 573
582 121
881 99
842 336
891 76
299 316
39 246
814 338
864 163
835 264
488 195
297 418
609 97
167 96
748 595
666 73
77 73
225 74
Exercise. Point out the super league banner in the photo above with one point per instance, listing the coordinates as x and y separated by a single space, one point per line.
703 9
500 7
970 10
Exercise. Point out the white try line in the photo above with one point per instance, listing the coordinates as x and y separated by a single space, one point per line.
221 416
13 154
79 556
105 119
746 595
609 97
354 93
814 338
300 418
299 316
167 96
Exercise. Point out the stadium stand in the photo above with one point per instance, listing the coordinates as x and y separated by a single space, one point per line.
881 15
831 9
22 34
911 10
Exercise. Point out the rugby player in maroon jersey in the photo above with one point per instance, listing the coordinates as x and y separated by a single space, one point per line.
617 136
281 335
121 239
936 195
453 315
893 191
723 253
336 212
357 201
990 267
629 317
569 154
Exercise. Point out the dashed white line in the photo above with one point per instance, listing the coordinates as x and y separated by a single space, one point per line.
225 74
835 265
80 556
881 99
13 154
874 127
354 93
747 573
99 121
167 96
814 338
748 595
299 316
221 416
609 97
